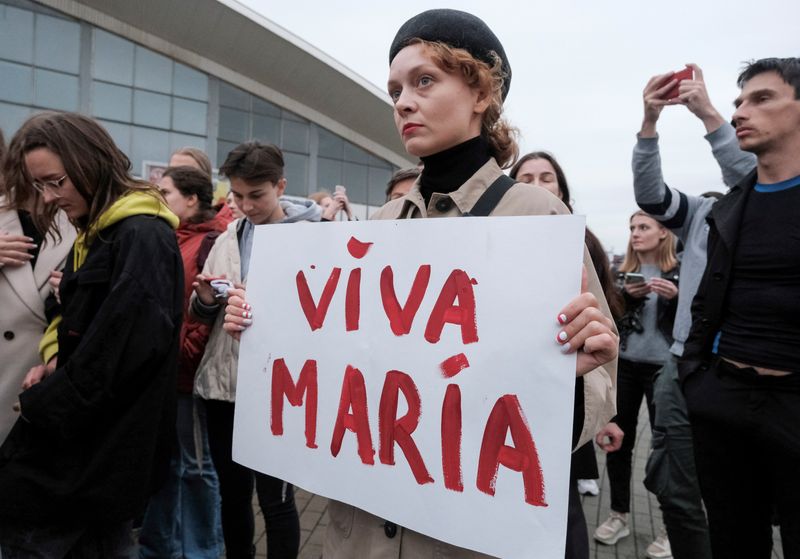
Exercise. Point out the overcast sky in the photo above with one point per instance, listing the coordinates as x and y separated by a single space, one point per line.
579 68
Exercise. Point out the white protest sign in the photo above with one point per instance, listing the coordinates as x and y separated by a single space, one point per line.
417 377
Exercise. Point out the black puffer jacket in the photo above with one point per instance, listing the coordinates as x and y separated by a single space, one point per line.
95 436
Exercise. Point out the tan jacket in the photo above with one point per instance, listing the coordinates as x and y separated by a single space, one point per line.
23 291
216 374
356 533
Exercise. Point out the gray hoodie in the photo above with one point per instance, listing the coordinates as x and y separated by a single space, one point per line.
295 210
686 215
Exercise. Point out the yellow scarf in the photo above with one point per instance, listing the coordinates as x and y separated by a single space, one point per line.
136 202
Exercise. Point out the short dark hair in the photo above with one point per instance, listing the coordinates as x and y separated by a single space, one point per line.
192 181
254 163
787 68
401 175
563 186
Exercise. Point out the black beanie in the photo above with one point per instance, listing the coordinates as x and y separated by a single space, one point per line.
457 29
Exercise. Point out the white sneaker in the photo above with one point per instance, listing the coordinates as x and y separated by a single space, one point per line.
613 529
660 548
588 487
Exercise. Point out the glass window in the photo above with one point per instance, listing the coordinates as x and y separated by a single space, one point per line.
148 145
329 173
12 117
355 180
111 101
223 149
58 44
151 109
16 83
16 34
234 125
153 71
375 161
112 58
53 90
291 116
188 82
189 116
233 97
178 141
265 108
295 136
330 145
377 180
266 129
296 173
121 134
355 154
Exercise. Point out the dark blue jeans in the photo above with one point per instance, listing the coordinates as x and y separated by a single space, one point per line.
96 541
183 520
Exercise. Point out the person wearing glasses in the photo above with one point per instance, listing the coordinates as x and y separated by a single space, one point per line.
649 275
97 415
27 258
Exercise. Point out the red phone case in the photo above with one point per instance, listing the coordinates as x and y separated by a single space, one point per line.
685 74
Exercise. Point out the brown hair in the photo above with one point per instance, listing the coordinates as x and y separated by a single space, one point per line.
399 176
254 163
193 182
480 75
2 146
561 178
600 261
199 157
97 168
667 259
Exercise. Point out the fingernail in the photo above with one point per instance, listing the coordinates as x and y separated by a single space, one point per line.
565 348
247 322
562 319
562 336
245 314
247 306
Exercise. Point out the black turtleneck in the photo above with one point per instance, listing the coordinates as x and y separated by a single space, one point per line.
447 170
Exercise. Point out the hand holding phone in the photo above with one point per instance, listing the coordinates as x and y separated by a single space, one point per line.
685 74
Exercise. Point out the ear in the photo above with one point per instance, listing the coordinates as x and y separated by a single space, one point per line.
482 101
192 200
281 186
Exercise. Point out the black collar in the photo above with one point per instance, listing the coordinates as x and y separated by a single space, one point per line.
447 170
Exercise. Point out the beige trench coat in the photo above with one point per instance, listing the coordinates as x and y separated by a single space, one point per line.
356 533
23 291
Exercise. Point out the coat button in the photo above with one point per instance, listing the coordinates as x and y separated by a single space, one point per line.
9 335
444 204
390 529
704 367
717 276
704 321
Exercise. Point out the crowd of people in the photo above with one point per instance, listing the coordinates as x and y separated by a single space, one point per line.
123 302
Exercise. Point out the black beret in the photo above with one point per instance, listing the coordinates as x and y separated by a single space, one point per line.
457 29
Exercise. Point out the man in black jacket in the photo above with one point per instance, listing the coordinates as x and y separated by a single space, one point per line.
739 368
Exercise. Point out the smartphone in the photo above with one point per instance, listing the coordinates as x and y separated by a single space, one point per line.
685 74
221 287
632 277
339 188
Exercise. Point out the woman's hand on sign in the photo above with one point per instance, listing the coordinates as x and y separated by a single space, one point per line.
587 331
238 313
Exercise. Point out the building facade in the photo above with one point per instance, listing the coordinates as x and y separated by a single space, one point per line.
59 57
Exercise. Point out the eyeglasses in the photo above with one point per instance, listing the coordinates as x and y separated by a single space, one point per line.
54 185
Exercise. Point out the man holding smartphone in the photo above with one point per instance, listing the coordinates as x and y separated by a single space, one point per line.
677 488
739 368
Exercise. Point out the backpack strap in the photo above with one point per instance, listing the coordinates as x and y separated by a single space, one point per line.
491 197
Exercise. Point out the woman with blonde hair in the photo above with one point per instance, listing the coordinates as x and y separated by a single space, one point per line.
649 282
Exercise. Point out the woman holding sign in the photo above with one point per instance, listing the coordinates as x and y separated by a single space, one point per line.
448 79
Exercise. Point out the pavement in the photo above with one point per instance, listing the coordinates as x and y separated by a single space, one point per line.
645 516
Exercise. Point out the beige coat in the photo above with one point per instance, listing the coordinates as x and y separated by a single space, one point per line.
216 374
355 533
23 291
